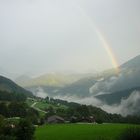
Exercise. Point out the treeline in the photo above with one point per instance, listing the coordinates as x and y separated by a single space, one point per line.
75 112
62 102
12 96
18 109
78 111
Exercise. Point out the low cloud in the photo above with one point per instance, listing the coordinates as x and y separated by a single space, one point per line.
39 92
86 100
103 86
125 80
130 105
127 106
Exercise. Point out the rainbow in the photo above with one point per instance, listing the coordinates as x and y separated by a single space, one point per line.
108 50
103 40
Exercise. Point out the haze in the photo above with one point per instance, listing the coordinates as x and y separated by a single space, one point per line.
42 36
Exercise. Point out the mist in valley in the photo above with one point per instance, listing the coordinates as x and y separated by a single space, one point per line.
80 50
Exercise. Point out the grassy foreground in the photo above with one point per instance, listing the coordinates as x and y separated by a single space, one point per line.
79 131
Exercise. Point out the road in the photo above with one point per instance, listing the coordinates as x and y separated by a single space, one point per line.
36 108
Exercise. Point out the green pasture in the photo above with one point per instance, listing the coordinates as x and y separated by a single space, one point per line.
44 105
29 102
80 131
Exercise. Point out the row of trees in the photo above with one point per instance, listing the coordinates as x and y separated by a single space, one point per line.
18 109
12 96
84 112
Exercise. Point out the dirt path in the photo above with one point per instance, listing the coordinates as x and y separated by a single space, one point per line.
36 108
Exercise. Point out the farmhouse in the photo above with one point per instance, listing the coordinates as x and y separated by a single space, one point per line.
55 119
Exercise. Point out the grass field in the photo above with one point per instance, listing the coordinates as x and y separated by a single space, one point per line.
44 105
79 131
29 102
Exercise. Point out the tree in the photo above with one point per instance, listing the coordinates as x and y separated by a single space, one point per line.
3 109
32 116
131 133
17 109
83 110
7 132
50 111
25 130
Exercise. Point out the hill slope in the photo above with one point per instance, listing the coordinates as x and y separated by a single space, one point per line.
11 87
133 63
113 88
50 79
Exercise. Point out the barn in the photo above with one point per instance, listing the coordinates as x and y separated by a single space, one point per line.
55 119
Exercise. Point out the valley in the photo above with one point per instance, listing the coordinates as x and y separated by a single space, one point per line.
79 106
69 69
105 90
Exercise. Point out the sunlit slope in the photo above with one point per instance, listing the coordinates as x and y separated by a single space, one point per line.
92 85
52 79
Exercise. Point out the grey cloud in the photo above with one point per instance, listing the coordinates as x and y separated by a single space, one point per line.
103 86
39 92
129 106
127 79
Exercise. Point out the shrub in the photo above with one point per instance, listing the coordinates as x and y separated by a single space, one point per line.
2 137
25 130
99 121
131 133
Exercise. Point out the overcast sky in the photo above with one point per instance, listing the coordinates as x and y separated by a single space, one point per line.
41 36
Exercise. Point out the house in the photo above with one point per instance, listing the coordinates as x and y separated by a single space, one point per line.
55 119
90 119
73 119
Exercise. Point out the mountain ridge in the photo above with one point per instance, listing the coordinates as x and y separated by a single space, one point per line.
9 86
134 62
107 84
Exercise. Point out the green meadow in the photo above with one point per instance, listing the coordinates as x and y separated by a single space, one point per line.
80 131
44 105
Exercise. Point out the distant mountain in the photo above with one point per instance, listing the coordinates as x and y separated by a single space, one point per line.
79 88
22 79
6 73
107 81
11 87
50 79
86 85
122 91
75 85
133 63
117 97
107 88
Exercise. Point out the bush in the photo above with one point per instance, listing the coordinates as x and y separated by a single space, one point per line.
131 133
25 130
2 137
99 121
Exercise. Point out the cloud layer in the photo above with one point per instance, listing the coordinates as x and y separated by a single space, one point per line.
127 106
